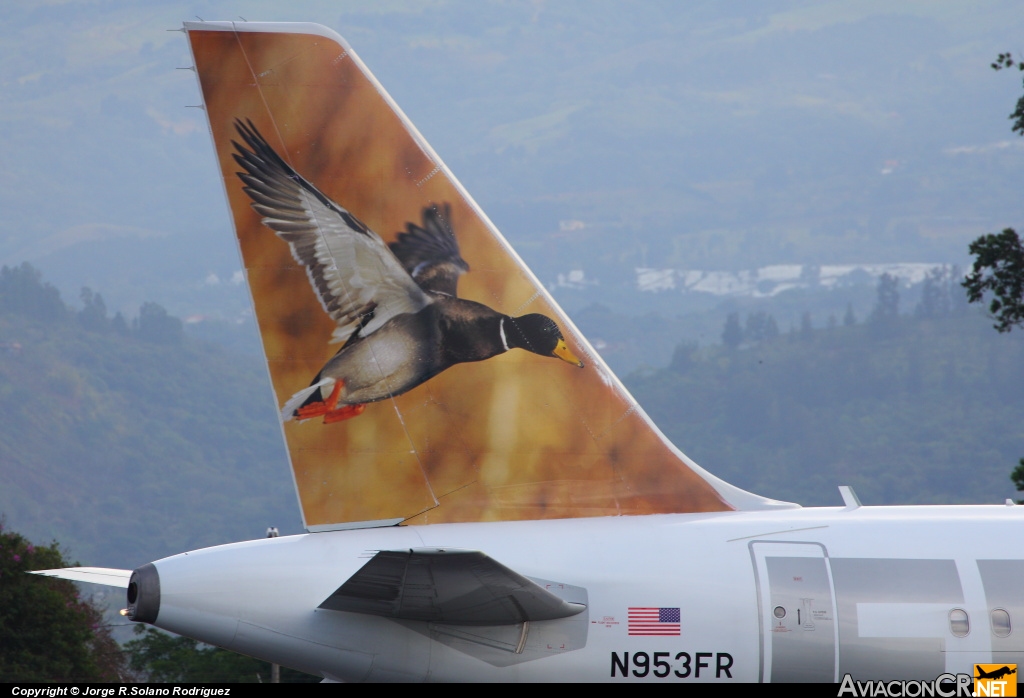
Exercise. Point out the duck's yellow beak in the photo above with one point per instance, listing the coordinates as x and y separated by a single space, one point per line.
562 352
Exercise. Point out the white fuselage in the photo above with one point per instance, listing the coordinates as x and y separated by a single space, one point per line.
805 594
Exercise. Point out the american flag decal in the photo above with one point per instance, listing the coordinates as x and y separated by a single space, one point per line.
653 621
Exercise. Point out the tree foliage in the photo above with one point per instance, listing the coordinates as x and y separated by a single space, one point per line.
47 631
806 327
884 317
998 270
935 299
93 314
683 357
23 292
761 326
849 319
1018 478
99 424
927 415
732 333
1005 60
156 325
999 263
164 658
999 258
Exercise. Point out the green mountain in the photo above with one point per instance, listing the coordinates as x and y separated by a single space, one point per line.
131 441
916 412
127 444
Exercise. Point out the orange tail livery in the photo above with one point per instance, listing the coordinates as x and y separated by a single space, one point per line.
423 373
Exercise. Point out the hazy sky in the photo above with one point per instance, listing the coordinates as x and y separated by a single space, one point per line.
696 135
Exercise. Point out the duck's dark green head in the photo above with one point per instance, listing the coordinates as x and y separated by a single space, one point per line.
539 334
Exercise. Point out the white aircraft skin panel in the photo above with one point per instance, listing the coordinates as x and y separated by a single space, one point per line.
902 620
261 597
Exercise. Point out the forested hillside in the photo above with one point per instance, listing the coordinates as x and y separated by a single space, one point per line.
907 410
130 441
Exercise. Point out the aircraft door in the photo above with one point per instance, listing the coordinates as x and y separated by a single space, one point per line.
1004 595
797 611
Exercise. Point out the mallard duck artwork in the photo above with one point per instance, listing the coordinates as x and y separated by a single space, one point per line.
396 307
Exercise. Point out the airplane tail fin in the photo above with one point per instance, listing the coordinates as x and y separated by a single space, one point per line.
447 400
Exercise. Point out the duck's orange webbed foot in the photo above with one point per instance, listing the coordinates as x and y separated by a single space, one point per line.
323 408
343 413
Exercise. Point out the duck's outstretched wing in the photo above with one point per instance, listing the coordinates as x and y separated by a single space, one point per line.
430 253
350 267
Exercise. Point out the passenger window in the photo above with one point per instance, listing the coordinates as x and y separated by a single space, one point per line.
959 624
1000 622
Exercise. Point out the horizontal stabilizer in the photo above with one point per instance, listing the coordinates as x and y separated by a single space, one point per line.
463 587
93 575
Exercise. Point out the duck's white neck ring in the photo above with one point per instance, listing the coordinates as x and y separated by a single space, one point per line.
501 331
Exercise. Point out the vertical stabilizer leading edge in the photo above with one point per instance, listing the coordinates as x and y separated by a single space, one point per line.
423 373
